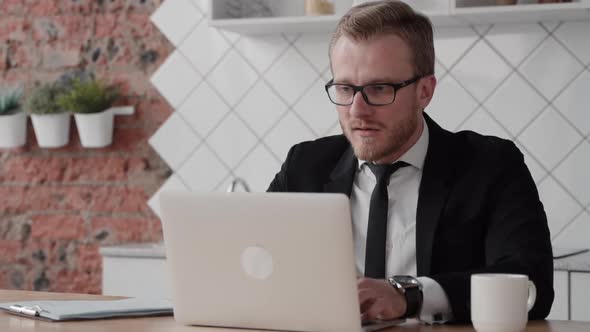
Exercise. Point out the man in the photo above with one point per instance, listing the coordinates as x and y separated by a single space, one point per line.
425 202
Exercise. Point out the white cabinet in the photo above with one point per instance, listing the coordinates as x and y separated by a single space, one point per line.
580 296
560 308
135 271
286 16
141 270
572 296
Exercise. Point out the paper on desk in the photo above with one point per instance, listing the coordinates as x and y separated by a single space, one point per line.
73 310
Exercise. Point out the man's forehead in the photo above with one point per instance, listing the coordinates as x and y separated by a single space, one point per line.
380 59
381 49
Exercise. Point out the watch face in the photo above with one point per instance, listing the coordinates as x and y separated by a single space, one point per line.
406 280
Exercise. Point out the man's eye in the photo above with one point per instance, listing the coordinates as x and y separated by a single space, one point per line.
380 88
343 88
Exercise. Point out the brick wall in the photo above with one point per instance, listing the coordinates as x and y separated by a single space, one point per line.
58 206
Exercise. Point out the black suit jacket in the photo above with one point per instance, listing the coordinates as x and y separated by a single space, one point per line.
478 209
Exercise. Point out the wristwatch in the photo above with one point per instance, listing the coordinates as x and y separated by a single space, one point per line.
411 288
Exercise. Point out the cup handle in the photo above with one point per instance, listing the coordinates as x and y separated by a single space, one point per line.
532 296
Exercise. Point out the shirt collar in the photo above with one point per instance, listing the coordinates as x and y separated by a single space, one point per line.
417 153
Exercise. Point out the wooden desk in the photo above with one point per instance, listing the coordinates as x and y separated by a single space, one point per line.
12 323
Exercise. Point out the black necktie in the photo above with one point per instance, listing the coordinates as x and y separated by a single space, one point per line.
377 228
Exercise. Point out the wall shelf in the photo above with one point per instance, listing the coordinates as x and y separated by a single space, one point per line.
296 24
525 13
266 25
456 15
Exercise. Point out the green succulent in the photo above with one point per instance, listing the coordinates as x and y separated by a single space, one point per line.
10 101
43 100
91 96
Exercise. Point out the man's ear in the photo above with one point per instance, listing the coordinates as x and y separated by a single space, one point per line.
426 87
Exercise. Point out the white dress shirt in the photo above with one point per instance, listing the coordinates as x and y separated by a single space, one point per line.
401 225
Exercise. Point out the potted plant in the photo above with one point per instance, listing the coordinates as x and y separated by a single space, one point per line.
50 122
91 102
13 121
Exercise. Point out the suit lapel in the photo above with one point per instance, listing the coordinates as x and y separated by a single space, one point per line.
433 192
342 176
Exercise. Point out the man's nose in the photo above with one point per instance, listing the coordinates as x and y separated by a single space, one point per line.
359 107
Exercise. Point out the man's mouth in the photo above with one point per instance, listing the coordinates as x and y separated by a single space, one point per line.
365 131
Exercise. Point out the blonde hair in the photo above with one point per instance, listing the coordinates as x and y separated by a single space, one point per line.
372 19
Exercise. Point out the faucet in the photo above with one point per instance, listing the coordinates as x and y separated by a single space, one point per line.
237 181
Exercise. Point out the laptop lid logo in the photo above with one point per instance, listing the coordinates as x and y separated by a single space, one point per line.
257 262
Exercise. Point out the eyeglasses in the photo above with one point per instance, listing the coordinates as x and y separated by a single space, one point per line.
377 94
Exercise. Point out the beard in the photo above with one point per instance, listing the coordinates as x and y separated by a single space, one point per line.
389 142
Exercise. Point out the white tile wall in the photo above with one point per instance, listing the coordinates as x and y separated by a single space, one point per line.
515 93
516 41
204 38
541 65
203 109
176 19
261 52
550 138
451 112
233 77
261 108
243 101
481 70
175 140
175 78
291 75
174 182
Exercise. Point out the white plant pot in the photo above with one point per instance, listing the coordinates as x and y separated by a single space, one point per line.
51 130
13 130
95 129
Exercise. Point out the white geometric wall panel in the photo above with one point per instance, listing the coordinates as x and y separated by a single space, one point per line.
242 101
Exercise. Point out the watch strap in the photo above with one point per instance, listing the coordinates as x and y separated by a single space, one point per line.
413 301
411 288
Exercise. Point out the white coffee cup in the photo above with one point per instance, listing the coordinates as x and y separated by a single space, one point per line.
501 302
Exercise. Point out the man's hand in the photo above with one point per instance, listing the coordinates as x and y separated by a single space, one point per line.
379 300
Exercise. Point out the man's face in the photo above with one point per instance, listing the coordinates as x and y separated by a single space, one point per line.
378 133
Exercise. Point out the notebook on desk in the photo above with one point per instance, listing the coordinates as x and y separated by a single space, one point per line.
81 310
276 261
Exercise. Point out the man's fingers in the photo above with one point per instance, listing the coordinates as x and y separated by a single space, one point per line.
379 310
378 301
365 283
366 295
366 299
366 291
365 306
388 313
375 311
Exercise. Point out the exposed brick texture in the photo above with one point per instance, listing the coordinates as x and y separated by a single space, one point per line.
58 206
58 227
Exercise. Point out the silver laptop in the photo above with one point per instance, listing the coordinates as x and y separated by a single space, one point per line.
276 261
